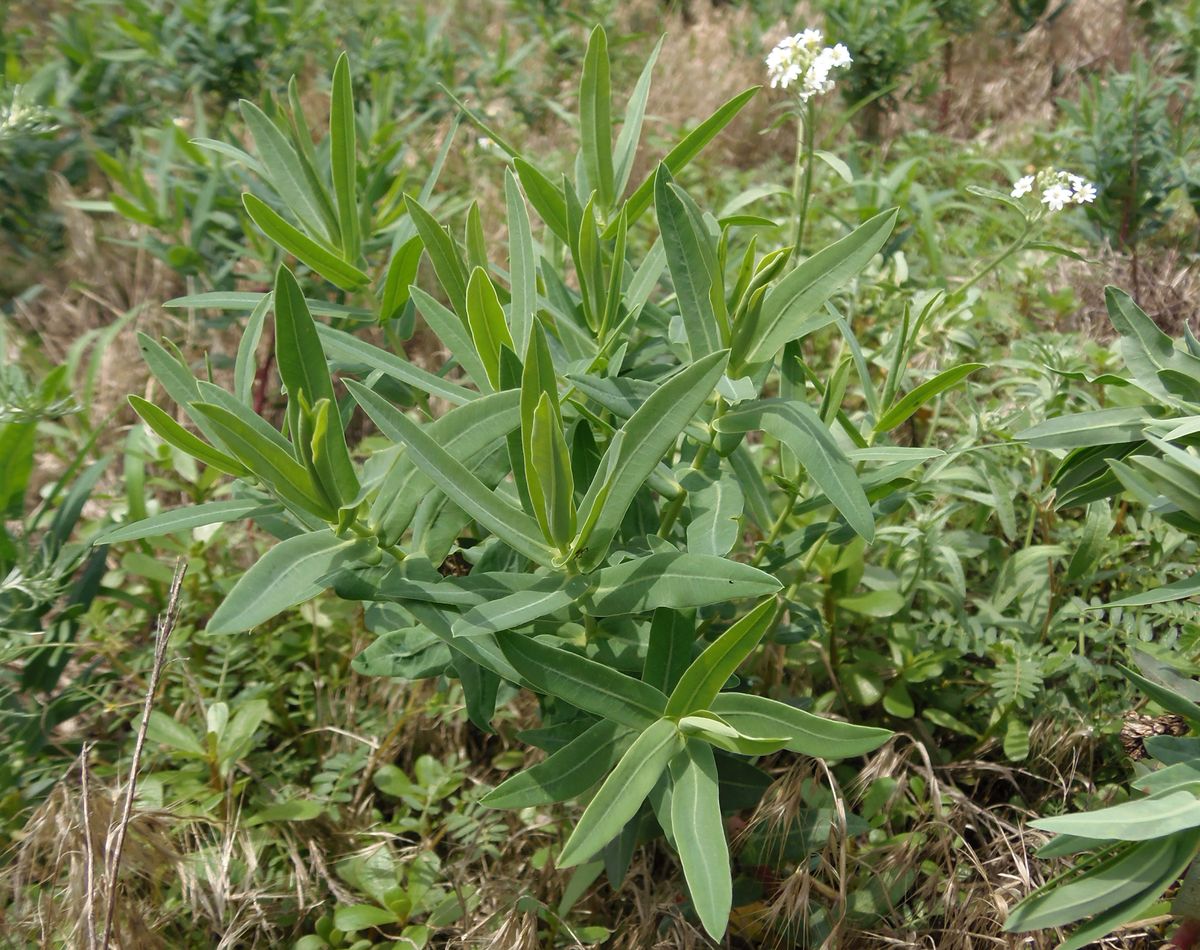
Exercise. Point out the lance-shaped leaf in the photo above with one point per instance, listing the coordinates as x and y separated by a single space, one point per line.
799 428
266 458
456 337
316 255
688 148
184 519
1138 820
289 574
674 579
717 732
547 596
585 684
460 484
646 437
546 198
522 264
794 307
485 317
350 348
304 370
245 367
807 734
699 834
1147 351
1098 427
595 119
566 774
443 254
550 463
700 682
693 263
623 792
174 434
631 127
343 157
466 432
910 403
397 284
716 506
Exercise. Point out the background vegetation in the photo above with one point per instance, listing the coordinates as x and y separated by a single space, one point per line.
286 796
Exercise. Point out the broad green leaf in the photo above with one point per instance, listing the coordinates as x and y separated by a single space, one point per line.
289 574
670 650
566 774
343 346
510 524
1098 427
1138 820
700 682
674 579
1168 698
485 318
353 917
549 595
174 434
794 307
699 833
443 254
808 734
646 437
595 120
716 511
343 158
522 265
692 145
285 171
905 407
303 248
623 792
266 459
298 809
184 519
164 730
1147 351
799 428
586 684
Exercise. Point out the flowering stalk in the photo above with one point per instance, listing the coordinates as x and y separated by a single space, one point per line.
1058 189
800 60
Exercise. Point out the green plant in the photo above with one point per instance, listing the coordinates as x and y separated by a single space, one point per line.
1133 851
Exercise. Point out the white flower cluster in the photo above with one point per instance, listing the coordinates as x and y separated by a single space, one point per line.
19 117
1058 188
801 58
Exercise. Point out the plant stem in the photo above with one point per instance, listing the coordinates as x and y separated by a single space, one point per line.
802 180
776 529
996 261
671 513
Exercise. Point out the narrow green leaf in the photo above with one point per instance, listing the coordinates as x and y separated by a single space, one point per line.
289 574
522 264
549 459
443 254
623 792
401 273
343 346
1098 427
1139 820
631 128
566 774
808 734
511 525
716 511
457 338
700 835
674 579
174 434
343 158
799 428
692 262
549 595
647 435
245 368
485 318
184 519
794 307
595 120
670 649
546 198
237 300
905 407
303 248
586 684
700 682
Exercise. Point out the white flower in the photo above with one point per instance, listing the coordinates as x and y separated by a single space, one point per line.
800 55
1084 192
839 55
1022 186
1056 196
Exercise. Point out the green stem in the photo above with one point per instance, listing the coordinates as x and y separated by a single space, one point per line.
671 513
1004 255
802 180
776 529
